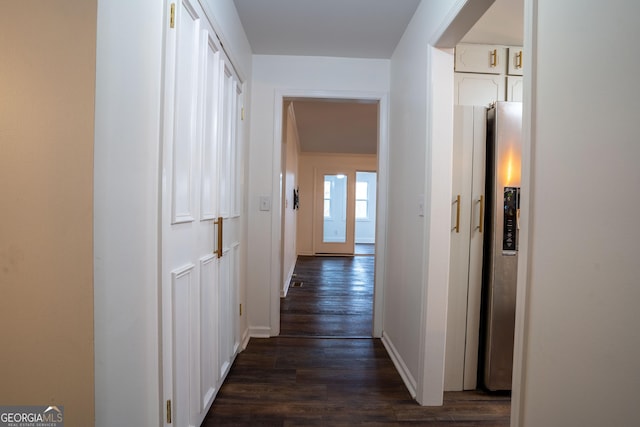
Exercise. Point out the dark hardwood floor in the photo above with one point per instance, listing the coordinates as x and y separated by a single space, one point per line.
334 298
315 376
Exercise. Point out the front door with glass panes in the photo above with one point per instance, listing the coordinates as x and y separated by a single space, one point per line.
335 212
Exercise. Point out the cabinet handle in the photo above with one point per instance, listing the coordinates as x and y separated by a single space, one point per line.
494 58
481 222
218 250
519 60
457 202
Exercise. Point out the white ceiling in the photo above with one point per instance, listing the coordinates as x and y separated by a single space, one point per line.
343 28
356 29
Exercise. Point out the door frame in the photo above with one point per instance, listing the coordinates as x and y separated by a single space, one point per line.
381 209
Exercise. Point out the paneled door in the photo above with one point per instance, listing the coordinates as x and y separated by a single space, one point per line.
465 269
199 227
229 218
334 219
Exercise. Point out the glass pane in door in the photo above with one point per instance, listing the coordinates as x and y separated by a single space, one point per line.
335 209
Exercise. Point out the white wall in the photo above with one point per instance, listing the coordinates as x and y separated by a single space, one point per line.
580 341
273 77
420 162
127 142
291 75
126 212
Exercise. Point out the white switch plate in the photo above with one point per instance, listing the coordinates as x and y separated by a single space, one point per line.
265 203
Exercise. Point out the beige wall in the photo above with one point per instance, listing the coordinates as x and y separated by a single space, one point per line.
289 217
47 75
309 163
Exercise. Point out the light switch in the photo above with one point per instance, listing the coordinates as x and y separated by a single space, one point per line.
265 203
421 205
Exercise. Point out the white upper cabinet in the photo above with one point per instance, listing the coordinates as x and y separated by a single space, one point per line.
479 58
487 73
514 66
478 89
514 88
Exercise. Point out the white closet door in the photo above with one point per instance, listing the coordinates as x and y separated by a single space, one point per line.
459 259
229 213
200 218
189 202
209 264
465 270
476 236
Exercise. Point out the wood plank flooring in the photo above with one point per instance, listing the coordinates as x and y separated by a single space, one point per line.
312 377
334 300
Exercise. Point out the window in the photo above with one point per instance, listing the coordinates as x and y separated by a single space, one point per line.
327 199
362 200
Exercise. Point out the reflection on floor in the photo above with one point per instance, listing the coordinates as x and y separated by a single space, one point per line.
365 249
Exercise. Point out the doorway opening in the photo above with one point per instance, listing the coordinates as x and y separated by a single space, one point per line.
330 190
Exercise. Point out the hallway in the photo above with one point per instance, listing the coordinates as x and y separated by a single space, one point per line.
327 371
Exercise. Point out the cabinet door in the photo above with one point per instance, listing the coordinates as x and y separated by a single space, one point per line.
478 58
476 236
514 66
514 88
459 256
465 268
478 89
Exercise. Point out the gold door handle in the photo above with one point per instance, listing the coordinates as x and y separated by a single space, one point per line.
218 250
481 222
457 202
494 58
519 60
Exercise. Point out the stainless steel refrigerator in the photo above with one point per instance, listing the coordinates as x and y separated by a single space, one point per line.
500 253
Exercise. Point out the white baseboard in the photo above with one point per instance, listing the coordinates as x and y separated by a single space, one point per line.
406 376
260 332
245 339
287 280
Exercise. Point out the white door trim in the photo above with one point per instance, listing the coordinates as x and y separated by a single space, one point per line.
528 137
381 215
